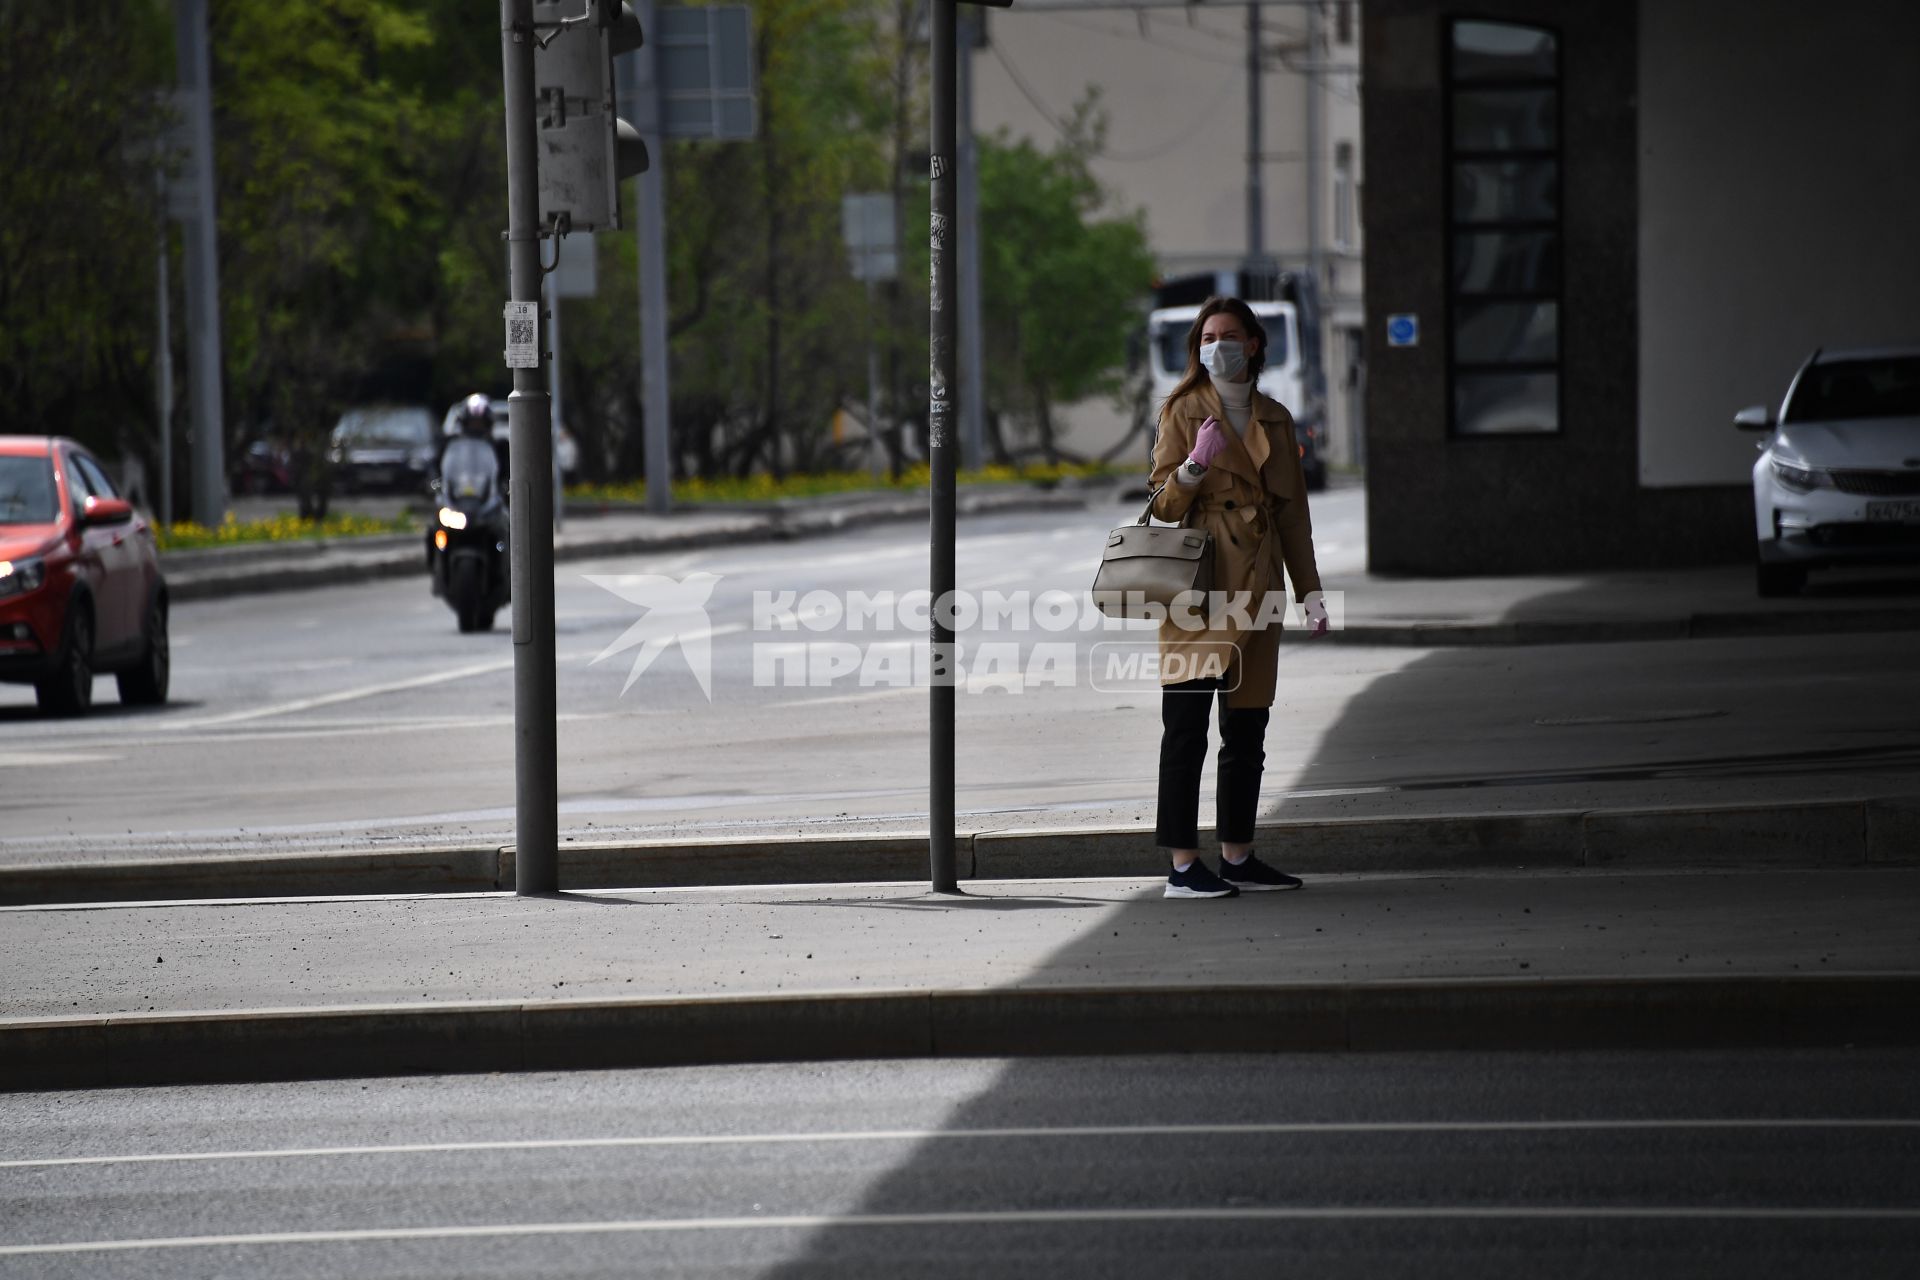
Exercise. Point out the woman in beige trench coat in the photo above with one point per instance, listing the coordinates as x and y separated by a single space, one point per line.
1226 460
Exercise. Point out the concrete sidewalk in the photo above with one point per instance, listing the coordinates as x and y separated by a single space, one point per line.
1840 833
135 994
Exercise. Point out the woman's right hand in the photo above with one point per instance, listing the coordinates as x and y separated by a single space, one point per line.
1209 443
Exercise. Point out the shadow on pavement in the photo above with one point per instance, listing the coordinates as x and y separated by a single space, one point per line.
1563 714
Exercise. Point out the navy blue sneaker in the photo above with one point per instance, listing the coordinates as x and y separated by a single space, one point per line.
1198 882
1256 876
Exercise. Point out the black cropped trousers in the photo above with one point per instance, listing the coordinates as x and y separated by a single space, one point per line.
1184 714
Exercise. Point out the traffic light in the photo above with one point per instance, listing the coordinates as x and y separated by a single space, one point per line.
585 148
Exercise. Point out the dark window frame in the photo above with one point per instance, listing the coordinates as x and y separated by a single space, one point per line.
1456 368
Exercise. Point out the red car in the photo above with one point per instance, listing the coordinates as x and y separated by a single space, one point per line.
80 584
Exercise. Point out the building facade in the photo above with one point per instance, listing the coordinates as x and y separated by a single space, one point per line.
1174 83
1596 229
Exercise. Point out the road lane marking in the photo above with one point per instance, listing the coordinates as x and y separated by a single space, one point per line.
1304 1128
349 695
41 759
869 695
396 686
1004 1217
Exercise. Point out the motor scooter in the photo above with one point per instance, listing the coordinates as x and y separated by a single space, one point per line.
467 546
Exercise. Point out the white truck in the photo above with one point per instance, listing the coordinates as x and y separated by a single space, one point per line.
1292 365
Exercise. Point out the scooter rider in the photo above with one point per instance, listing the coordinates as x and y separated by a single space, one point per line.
469 467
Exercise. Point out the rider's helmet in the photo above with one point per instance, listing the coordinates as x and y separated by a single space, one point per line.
476 417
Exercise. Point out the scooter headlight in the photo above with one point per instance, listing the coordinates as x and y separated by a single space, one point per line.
453 519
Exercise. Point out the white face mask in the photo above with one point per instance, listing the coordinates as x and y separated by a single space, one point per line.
1225 359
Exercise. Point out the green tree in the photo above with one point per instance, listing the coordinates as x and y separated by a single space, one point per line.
79 214
1063 275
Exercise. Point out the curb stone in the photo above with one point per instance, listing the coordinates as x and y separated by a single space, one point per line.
1879 831
1479 1014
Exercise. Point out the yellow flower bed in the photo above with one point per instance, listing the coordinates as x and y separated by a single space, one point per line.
184 535
763 487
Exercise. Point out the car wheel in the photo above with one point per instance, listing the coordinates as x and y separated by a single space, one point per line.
1777 580
146 684
69 690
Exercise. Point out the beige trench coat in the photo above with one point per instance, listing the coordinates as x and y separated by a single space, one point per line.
1253 500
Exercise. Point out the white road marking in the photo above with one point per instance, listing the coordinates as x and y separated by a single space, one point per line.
348 695
1309 1128
869 695
43 759
1006 1217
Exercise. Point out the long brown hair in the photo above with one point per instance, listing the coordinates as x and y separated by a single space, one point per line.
1196 374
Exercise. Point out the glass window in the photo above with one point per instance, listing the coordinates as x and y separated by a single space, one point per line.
1506 333
1343 212
1487 404
1506 262
78 490
26 491
1506 191
1504 51
1504 276
1506 120
1880 388
96 478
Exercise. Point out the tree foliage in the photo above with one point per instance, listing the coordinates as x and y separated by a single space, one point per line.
361 196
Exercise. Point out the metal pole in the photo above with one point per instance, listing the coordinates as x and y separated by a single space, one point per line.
1311 79
1256 203
655 400
200 241
536 780
876 452
550 295
973 390
163 371
940 449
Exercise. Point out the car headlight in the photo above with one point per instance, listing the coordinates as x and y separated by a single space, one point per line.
453 519
17 577
1799 478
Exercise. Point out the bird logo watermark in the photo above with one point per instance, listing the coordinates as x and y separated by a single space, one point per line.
676 613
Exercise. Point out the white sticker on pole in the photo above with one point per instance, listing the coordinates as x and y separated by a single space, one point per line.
523 330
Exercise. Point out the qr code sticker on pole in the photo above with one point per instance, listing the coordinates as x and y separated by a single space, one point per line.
523 327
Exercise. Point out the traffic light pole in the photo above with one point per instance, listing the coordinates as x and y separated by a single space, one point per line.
529 419
942 447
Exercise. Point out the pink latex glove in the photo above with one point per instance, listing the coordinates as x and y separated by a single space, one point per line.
1210 443
1316 610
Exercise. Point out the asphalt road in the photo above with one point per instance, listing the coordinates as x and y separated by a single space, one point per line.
1480 1165
358 717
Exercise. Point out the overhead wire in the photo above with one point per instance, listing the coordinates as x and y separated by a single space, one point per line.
1119 157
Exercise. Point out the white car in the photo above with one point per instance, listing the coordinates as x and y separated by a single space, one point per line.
1838 479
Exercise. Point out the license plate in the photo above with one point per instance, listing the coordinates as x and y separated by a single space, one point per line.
376 475
1896 511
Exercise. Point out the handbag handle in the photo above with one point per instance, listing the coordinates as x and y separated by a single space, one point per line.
1147 511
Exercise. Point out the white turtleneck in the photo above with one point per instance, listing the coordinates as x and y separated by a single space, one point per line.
1237 399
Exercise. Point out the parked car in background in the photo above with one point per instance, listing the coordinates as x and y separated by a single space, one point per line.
80 585
566 452
1838 478
265 467
385 448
